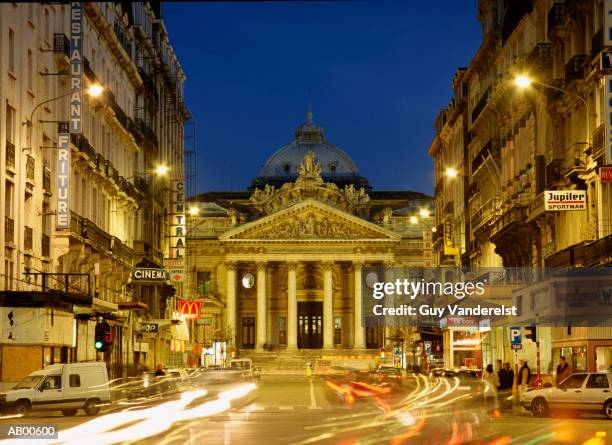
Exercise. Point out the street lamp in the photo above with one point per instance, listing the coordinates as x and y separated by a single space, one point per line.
522 82
451 172
424 213
194 211
161 170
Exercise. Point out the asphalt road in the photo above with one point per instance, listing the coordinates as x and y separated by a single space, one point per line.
298 411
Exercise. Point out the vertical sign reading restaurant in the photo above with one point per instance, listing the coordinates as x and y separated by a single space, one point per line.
62 218
607 42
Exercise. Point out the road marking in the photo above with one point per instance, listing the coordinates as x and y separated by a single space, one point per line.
313 400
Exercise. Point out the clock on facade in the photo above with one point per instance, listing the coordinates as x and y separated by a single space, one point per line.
248 280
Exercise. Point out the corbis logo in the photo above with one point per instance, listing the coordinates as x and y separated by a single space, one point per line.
190 309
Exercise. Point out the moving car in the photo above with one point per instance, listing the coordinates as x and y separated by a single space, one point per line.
151 386
387 374
245 366
60 387
585 391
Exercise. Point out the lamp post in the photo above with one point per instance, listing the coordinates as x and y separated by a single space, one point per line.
523 82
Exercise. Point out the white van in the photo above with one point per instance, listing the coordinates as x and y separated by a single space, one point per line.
60 387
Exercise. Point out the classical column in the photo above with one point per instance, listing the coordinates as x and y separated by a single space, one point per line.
390 321
328 306
358 334
230 303
291 306
261 306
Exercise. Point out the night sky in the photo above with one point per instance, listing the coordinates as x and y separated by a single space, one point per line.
378 73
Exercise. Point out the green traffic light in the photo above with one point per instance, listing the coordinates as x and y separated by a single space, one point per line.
98 344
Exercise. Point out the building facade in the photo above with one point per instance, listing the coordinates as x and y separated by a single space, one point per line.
523 142
57 283
279 267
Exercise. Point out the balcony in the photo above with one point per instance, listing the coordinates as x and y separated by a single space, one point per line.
536 207
123 38
574 69
553 172
45 246
597 43
10 154
491 148
122 250
481 104
541 57
9 230
99 237
30 168
575 161
84 146
485 213
599 143
28 238
61 44
449 208
88 71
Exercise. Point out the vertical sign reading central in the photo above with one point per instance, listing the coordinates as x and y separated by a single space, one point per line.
62 215
177 230
76 66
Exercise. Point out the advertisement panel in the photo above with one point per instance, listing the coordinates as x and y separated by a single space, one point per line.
190 309
558 200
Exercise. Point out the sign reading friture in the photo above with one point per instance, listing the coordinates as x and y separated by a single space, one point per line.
190 309
144 274
62 214
76 66
558 200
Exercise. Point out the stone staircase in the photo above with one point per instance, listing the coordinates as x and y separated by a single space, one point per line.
295 362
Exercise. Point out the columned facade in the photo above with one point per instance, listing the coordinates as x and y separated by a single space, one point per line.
286 262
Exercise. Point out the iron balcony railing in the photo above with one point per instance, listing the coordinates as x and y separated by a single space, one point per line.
574 69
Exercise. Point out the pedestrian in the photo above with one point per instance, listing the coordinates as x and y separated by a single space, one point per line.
159 372
508 376
563 371
500 374
506 382
523 376
491 380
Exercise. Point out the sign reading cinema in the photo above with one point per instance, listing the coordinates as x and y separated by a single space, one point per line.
143 274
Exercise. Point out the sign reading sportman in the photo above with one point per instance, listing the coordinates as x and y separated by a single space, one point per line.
557 200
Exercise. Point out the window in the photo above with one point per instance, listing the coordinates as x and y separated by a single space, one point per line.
338 330
11 50
30 71
603 358
74 380
573 381
47 26
598 381
203 280
52 382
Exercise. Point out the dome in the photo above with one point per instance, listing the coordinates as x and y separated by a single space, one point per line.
336 165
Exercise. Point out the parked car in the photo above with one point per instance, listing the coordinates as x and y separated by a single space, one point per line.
60 387
388 375
585 391
245 365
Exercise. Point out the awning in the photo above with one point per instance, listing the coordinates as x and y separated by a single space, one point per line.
132 305
103 305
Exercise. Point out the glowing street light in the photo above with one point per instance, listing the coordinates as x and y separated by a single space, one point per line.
194 211
95 90
523 81
451 172
424 213
161 170
413 220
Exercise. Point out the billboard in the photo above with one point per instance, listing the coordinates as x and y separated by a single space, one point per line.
559 200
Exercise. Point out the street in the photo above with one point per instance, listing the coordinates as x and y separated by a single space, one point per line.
294 410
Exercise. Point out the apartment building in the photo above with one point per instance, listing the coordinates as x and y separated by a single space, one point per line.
58 282
542 133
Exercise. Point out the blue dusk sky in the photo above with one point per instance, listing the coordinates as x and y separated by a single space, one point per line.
378 72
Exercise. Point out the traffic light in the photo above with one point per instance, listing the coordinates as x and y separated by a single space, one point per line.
103 337
531 333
